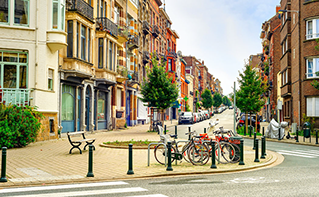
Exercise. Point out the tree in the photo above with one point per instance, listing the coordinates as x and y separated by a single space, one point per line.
249 97
207 101
158 91
187 107
226 101
217 100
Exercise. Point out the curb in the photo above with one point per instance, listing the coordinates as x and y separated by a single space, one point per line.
275 160
286 142
125 147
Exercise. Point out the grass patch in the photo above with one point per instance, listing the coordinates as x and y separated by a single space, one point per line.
132 141
240 131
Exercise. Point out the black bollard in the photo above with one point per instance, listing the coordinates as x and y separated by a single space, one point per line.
90 171
130 159
297 136
241 145
316 136
189 133
249 128
263 131
254 147
3 165
164 129
169 156
213 154
279 134
175 131
256 151
204 130
263 147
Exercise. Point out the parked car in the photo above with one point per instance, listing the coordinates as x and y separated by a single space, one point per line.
207 114
196 117
231 107
203 114
251 118
186 117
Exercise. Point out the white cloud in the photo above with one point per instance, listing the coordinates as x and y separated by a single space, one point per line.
222 33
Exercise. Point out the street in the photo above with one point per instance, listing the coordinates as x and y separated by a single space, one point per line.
296 176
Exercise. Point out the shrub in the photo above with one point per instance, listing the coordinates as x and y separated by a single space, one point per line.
19 126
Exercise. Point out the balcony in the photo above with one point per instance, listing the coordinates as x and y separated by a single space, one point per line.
105 24
122 74
20 97
172 54
81 7
56 40
191 93
146 27
133 42
286 90
133 78
122 34
146 57
155 31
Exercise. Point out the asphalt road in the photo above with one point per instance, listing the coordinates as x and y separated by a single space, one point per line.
298 175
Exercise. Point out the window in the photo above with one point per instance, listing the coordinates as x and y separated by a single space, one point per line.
100 64
4 11
58 14
15 67
110 55
169 64
312 106
312 67
77 39
312 29
101 106
284 46
116 15
118 99
21 12
70 39
83 42
68 102
50 79
114 55
89 44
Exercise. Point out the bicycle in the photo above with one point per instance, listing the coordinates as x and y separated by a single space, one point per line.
190 148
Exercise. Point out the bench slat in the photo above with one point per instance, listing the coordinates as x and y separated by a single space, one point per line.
84 140
76 133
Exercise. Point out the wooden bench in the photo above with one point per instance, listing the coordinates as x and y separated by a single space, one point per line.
76 143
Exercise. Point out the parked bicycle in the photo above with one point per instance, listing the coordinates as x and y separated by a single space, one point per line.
192 151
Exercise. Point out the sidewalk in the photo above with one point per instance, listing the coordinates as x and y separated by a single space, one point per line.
50 162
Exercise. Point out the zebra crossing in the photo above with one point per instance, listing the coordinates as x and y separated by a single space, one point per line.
115 188
300 153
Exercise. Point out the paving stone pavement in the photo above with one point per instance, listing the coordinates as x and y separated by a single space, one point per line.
50 162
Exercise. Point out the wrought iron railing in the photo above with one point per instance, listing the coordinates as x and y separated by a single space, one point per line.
13 96
155 30
146 56
105 24
173 54
80 6
123 31
146 27
133 42
135 76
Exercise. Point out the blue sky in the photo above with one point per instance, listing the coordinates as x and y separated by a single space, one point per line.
222 33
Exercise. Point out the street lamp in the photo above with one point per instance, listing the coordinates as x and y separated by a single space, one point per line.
282 11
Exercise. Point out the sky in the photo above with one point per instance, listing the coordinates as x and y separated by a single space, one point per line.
222 33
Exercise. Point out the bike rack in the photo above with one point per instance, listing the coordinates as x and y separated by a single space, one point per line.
148 153
208 141
177 147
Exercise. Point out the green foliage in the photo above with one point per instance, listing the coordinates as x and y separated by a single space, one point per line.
187 107
226 101
159 91
207 101
125 125
315 83
248 97
197 105
241 130
217 100
18 125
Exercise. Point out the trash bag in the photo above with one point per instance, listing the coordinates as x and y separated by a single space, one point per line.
274 128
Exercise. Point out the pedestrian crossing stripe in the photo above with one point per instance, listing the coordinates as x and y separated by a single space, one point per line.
41 188
151 195
299 153
86 192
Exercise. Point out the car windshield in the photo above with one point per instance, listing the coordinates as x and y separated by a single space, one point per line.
186 114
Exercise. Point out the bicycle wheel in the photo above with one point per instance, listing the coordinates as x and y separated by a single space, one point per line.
159 153
227 152
236 153
198 154
185 152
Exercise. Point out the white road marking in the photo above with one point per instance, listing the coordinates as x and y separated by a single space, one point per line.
294 154
87 192
300 152
151 195
41 188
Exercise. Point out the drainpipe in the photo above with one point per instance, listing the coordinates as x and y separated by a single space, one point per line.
36 49
299 91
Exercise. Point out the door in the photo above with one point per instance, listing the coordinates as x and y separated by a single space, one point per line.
68 108
128 117
101 110
79 110
88 96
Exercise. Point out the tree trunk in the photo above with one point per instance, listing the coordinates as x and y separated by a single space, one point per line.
246 122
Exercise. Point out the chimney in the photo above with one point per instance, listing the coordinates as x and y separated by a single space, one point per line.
277 8
203 62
